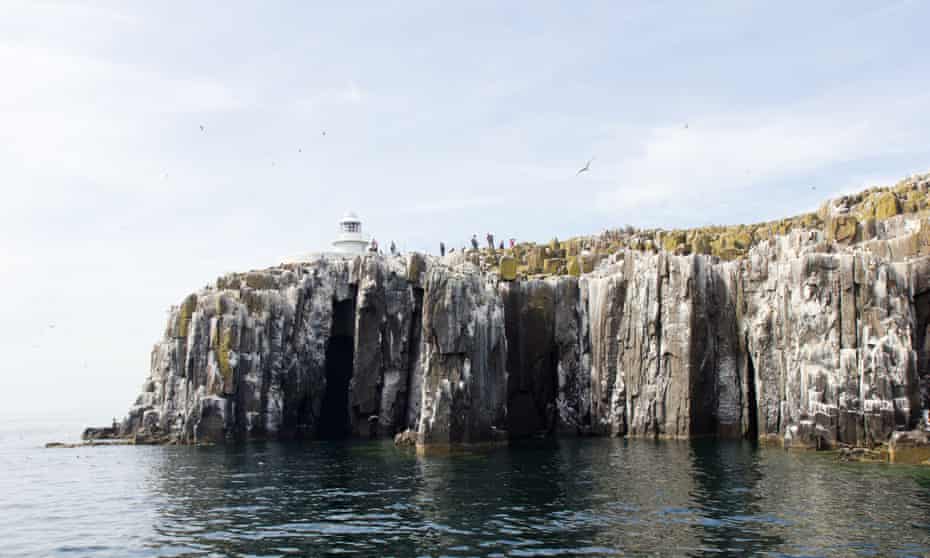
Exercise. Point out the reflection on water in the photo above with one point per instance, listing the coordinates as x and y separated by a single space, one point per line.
567 497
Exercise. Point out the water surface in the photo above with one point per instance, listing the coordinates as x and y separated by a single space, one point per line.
569 497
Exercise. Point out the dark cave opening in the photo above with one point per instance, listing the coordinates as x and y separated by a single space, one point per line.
532 361
752 423
334 413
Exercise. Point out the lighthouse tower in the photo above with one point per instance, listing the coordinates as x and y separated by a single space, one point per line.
350 239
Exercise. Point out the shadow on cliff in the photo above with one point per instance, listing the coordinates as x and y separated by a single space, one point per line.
334 412
532 359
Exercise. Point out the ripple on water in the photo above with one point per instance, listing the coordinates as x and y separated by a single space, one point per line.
570 498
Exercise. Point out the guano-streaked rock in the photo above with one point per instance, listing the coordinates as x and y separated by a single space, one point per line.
806 340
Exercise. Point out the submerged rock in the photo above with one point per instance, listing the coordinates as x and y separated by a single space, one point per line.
807 340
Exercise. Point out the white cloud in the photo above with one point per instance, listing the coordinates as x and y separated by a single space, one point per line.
718 154
439 205
327 98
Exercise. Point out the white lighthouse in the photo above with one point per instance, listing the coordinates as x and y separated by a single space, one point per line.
350 239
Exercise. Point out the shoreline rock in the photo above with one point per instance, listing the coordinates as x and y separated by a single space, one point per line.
912 447
808 340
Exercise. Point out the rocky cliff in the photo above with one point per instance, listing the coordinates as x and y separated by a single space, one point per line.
808 339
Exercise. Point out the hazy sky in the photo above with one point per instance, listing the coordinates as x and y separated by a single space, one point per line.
441 120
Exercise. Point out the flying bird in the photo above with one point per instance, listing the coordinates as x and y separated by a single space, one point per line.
299 150
324 132
585 168
202 128
686 125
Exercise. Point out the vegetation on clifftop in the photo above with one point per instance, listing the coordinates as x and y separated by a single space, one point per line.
844 220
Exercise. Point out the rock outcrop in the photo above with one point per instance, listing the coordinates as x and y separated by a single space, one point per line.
809 339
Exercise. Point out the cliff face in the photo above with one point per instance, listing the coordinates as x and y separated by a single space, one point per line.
805 340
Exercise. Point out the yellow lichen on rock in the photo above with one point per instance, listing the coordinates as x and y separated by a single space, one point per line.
843 229
588 262
508 268
673 241
185 313
534 260
886 205
699 243
552 266
571 247
847 219
223 358
573 267
259 281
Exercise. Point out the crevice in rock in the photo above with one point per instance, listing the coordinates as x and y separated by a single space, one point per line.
752 422
702 348
411 405
334 412
921 341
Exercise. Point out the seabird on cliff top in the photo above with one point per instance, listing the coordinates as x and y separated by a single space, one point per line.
586 167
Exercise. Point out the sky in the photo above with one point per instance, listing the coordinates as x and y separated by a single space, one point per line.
442 120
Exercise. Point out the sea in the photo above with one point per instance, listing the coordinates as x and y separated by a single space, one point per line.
561 497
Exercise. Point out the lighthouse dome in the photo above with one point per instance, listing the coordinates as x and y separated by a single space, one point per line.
350 217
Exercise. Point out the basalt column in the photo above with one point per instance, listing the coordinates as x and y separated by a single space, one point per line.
383 326
920 274
464 377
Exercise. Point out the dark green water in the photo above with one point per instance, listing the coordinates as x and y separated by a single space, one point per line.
560 498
